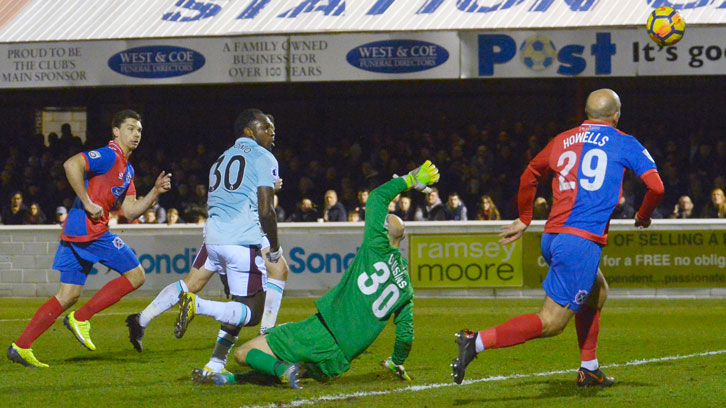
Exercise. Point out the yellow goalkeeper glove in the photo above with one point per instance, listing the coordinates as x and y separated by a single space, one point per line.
422 177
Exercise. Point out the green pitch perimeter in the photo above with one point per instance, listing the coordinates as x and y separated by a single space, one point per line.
632 330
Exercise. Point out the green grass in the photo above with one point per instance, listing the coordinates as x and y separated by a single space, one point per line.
116 375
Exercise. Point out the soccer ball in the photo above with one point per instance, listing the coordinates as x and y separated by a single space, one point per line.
665 26
537 52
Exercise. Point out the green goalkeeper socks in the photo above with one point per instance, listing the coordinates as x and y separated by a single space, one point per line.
264 362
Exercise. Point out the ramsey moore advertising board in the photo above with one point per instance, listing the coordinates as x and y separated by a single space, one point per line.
464 260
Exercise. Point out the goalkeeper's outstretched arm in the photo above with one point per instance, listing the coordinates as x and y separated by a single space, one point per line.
403 343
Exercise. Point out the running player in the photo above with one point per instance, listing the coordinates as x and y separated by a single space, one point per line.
102 179
241 222
350 316
589 162
196 280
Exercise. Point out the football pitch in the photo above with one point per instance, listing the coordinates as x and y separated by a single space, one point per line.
662 353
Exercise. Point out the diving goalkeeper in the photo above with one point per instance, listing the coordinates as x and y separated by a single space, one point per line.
353 313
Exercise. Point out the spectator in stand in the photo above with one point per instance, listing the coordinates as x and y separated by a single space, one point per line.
149 217
197 204
455 209
433 210
279 211
487 210
622 211
405 210
60 215
716 208
483 159
7 184
684 208
120 218
362 200
353 217
541 209
172 217
333 210
69 141
200 219
16 212
306 212
113 218
393 205
159 213
35 215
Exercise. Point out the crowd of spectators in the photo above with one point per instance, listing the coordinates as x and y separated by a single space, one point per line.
480 168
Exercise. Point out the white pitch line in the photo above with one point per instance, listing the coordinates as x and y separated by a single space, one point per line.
415 388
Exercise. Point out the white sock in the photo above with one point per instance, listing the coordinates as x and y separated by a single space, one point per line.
215 365
591 365
273 299
225 342
168 297
231 313
479 344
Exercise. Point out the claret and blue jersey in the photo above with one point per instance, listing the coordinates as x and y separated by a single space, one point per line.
109 177
589 162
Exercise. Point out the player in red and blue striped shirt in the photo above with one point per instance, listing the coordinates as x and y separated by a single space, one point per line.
589 162
102 179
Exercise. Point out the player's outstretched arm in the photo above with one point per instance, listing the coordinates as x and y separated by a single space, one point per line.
404 341
75 168
397 369
512 232
422 177
133 208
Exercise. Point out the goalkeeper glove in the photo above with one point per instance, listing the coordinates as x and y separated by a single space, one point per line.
274 256
396 369
422 177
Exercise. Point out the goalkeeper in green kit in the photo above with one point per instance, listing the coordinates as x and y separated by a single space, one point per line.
353 313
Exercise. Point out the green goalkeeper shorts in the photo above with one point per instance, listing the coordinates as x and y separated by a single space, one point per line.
309 342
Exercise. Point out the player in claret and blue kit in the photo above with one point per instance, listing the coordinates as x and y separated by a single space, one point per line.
350 316
588 162
102 179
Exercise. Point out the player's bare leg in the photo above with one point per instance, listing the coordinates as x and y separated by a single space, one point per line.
276 279
257 354
165 300
554 317
587 323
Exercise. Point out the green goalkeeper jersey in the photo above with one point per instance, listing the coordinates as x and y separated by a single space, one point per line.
375 286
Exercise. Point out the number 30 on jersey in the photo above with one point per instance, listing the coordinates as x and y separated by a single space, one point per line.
368 284
593 166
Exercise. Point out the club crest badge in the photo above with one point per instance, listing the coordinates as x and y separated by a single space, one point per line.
118 243
580 297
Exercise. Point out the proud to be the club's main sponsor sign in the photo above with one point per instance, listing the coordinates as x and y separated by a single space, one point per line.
464 260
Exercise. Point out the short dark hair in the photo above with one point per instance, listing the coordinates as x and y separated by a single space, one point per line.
120 117
244 120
